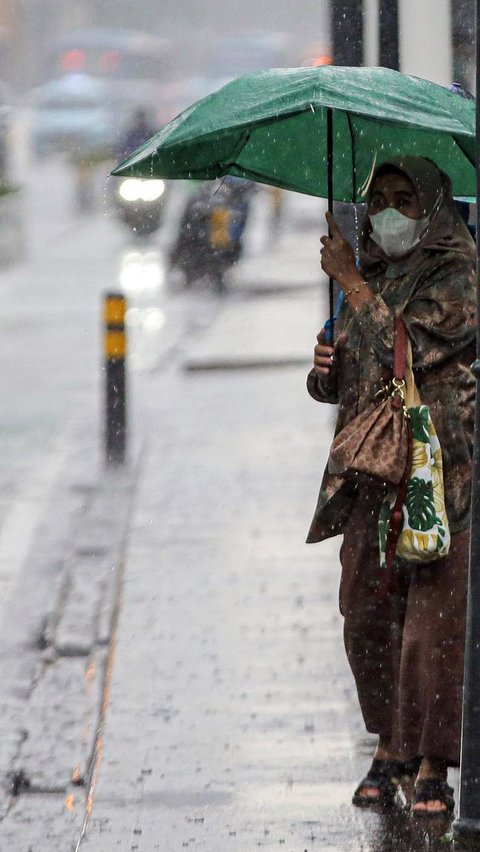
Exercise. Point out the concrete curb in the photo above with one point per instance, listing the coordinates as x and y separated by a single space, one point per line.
54 654
243 364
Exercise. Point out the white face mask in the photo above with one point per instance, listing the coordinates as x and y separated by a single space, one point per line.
395 233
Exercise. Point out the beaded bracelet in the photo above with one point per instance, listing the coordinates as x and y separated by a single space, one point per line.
354 290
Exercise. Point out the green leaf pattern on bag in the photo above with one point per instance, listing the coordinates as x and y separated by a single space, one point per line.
425 535
419 504
420 423
383 522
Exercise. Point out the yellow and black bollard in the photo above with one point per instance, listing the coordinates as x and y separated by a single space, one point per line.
115 382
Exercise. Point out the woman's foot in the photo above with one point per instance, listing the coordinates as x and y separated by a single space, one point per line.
380 785
382 779
432 796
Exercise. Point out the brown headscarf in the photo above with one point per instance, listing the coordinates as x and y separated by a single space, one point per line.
445 232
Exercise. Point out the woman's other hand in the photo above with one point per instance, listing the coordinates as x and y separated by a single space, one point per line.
324 354
337 257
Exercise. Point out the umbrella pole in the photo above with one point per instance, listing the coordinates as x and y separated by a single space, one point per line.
467 825
330 208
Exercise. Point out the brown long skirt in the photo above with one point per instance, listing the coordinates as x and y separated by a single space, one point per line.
406 647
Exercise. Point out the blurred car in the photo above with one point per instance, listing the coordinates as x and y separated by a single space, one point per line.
134 63
112 53
76 114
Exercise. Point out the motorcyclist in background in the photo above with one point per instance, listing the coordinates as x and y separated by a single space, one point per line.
138 131
209 238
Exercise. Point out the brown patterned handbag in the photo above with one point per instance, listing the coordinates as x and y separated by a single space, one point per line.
376 442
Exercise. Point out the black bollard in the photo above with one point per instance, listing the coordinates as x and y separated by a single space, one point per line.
115 380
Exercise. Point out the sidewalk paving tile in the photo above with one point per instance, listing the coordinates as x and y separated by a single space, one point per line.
250 334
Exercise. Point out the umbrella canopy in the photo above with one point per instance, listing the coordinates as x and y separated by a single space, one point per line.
272 127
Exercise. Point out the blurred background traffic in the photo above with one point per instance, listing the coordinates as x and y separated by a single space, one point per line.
83 85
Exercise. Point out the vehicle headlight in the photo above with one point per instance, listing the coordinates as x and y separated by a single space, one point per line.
136 189
131 189
152 189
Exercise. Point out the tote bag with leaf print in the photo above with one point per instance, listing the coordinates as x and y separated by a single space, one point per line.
424 534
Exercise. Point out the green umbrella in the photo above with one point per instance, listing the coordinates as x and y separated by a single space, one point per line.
271 126
319 131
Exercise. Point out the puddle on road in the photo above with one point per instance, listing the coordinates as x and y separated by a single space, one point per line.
398 832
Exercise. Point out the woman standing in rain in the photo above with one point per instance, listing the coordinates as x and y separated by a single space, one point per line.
405 648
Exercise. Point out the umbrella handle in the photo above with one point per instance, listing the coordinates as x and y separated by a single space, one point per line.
330 210
331 321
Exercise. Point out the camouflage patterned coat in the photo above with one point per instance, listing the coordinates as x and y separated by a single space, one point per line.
436 298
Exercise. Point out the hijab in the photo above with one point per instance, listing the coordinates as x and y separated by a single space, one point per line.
446 230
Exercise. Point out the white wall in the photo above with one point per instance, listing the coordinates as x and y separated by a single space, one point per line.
426 39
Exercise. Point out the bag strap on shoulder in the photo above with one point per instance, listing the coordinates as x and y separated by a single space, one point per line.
399 349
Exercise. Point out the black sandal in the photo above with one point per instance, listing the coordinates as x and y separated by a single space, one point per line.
411 767
384 776
431 790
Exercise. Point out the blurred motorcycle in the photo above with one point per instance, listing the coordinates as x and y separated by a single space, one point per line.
209 240
140 204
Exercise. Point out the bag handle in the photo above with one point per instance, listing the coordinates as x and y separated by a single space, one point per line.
402 370
396 517
401 373
400 341
402 362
